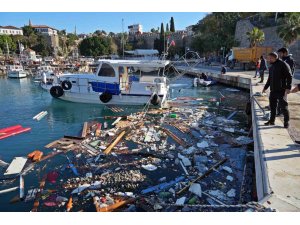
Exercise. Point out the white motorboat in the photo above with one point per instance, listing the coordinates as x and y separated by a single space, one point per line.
116 82
16 71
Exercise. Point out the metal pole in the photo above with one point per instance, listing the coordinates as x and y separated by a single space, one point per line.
123 37
164 45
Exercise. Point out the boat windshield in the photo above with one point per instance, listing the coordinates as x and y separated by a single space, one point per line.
106 71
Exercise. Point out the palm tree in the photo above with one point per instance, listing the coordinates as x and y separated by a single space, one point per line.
255 36
290 30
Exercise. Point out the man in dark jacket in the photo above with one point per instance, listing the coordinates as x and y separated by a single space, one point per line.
279 81
286 57
262 68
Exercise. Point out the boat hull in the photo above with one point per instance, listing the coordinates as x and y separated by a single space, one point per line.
17 74
93 98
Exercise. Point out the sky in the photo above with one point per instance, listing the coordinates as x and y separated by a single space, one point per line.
88 22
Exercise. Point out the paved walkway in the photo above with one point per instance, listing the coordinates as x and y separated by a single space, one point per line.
277 157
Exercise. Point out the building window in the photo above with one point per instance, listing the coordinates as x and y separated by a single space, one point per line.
106 71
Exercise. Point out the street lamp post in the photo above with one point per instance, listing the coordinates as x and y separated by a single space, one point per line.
223 58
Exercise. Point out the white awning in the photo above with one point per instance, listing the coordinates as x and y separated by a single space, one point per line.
143 52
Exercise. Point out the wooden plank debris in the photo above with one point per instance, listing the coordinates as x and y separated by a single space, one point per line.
114 143
202 176
175 138
84 130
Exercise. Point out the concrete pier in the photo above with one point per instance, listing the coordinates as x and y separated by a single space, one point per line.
277 157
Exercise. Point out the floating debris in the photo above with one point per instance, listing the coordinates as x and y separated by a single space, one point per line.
16 166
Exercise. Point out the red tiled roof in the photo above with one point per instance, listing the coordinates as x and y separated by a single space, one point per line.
10 27
43 26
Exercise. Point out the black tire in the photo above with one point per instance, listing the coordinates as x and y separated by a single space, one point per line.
155 100
56 91
105 97
66 85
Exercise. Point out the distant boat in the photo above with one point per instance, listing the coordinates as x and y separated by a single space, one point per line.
118 82
44 73
16 71
206 83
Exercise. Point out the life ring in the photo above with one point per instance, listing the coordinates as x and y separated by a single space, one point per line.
105 97
56 91
155 100
66 85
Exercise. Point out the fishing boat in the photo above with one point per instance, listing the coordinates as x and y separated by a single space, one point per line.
116 82
16 71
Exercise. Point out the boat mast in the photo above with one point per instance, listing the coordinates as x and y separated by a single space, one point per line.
7 52
123 37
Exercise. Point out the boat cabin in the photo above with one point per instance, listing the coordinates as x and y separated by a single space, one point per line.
124 75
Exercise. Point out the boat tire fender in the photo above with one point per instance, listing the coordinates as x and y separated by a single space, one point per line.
155 100
105 97
66 85
56 91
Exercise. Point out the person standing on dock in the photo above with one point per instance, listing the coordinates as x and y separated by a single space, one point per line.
262 68
279 81
286 57
257 66
223 70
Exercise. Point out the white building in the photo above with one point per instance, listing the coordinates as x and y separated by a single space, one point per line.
49 33
10 30
135 29
44 29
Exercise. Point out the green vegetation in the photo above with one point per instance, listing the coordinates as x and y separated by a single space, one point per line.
216 30
5 41
96 46
255 36
42 47
172 25
167 28
290 30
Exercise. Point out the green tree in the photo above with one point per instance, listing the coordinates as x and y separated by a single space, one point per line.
167 28
216 30
42 47
5 41
111 34
28 30
289 32
162 40
172 25
153 30
255 36
162 30
100 32
95 46
71 39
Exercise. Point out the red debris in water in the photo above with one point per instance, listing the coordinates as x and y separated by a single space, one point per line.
52 176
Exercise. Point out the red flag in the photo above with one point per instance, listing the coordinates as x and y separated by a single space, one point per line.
172 43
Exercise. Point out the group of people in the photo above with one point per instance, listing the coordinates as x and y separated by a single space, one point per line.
281 71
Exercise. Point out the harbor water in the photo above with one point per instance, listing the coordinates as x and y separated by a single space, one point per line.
22 99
